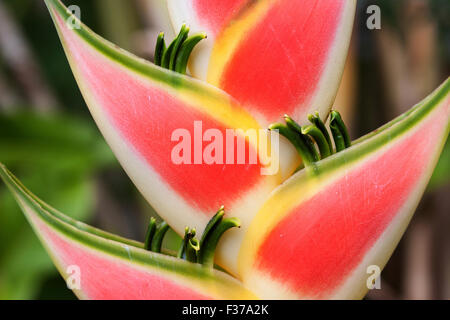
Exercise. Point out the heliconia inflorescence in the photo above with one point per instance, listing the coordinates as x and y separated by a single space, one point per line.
336 206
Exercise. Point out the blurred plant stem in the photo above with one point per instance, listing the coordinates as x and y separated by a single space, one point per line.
418 277
155 17
409 58
408 50
440 206
18 57
118 21
345 101
8 96
116 216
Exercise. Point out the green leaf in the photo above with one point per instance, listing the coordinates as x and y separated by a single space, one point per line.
56 155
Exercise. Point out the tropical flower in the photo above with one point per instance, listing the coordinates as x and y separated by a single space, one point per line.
308 231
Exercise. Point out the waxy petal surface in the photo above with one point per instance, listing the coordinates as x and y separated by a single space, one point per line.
273 56
111 267
319 233
138 107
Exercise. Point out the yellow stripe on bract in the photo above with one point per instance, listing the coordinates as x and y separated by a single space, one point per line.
229 113
218 108
233 117
228 41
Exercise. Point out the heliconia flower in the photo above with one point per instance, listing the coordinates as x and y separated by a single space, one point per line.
271 55
311 236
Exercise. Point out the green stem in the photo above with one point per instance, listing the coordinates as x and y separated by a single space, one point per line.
160 49
339 141
207 252
311 146
339 123
176 47
192 250
315 119
150 233
185 52
295 127
189 234
212 223
298 143
180 252
319 138
173 48
159 236
165 60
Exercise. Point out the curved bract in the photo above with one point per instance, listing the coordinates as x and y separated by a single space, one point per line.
273 56
110 267
139 107
319 232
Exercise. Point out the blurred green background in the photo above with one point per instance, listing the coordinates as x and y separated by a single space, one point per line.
49 140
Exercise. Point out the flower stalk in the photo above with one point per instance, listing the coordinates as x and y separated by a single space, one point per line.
313 142
176 56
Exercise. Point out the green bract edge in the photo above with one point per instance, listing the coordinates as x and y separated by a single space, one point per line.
110 244
77 224
375 140
438 94
133 62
